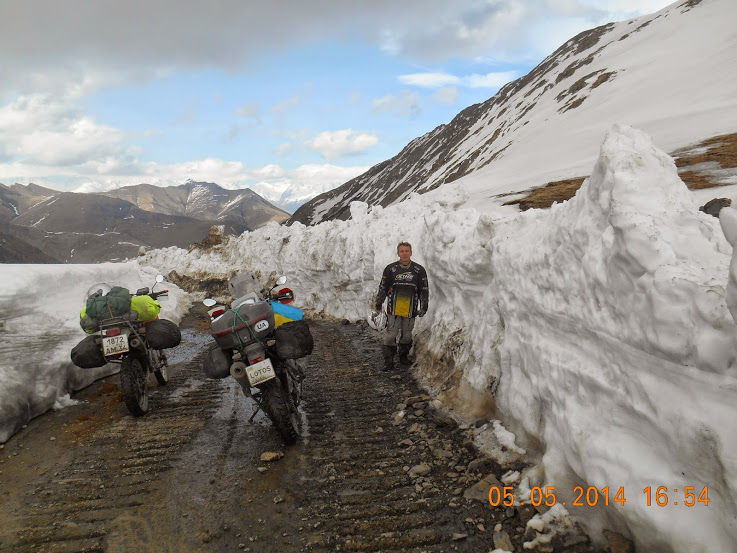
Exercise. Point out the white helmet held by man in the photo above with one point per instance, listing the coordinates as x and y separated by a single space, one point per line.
377 320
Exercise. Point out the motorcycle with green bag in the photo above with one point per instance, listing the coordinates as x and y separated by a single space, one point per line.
125 329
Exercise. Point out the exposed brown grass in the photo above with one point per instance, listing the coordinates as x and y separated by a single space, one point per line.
556 191
720 149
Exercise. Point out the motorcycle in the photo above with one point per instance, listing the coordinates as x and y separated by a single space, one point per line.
125 341
259 341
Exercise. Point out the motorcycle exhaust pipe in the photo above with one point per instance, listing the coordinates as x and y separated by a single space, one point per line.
238 370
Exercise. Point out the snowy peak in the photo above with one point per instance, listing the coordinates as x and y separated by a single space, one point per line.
665 73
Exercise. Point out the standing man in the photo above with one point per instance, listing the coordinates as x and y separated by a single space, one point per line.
404 282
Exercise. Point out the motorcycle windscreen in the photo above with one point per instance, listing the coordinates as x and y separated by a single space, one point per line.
285 313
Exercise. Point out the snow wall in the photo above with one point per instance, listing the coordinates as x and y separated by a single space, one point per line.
39 310
598 330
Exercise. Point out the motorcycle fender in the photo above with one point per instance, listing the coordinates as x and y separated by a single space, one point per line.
253 352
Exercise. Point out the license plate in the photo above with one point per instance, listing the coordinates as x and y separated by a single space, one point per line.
112 345
260 372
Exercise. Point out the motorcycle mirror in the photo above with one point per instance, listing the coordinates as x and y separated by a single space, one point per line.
159 278
281 280
209 302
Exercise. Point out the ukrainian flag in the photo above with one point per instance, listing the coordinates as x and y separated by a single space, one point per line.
285 313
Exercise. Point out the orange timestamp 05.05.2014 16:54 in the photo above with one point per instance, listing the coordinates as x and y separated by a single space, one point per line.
660 496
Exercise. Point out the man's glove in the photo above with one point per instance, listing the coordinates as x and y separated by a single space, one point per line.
422 311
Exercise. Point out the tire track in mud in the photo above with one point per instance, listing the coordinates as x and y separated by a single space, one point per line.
359 493
115 467
375 482
187 477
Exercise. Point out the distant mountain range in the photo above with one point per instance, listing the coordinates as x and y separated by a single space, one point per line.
671 73
40 225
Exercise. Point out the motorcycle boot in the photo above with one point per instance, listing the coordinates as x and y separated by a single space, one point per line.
388 352
404 356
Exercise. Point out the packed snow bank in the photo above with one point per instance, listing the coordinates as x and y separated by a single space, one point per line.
39 310
597 330
618 351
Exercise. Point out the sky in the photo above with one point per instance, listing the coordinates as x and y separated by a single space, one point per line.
97 95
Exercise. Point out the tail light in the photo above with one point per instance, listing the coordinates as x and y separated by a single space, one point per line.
216 312
258 359
111 332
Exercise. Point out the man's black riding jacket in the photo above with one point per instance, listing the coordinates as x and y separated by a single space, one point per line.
406 287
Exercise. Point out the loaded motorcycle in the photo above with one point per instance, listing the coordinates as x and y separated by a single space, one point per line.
135 345
259 340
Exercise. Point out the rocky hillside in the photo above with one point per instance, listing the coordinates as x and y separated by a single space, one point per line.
203 200
626 71
40 225
17 199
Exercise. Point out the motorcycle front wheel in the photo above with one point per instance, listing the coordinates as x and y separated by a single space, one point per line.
280 408
133 376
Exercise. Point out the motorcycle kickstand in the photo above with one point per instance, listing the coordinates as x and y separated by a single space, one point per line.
258 407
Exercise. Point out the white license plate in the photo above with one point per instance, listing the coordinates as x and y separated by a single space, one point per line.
112 345
260 372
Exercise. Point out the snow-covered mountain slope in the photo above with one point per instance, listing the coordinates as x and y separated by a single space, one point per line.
672 74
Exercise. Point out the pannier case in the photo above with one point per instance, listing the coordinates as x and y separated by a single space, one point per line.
243 325
162 334
216 363
293 340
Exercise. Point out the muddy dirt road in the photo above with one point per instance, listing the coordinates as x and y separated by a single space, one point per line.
189 476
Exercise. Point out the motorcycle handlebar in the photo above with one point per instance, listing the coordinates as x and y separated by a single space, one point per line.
162 294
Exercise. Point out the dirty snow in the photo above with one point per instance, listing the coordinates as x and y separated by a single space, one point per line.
39 310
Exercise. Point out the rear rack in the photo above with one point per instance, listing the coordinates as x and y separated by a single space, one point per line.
122 320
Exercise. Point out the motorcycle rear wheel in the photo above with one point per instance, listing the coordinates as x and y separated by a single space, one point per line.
280 408
133 376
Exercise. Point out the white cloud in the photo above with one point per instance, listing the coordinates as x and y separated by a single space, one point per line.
250 110
490 80
447 95
334 144
429 80
270 172
407 103
436 80
40 130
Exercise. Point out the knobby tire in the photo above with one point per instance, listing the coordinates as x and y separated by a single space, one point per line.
162 377
280 408
133 376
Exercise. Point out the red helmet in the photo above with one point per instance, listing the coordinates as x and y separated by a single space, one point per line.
285 295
